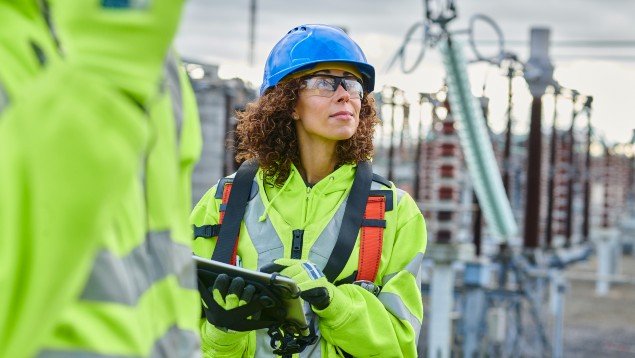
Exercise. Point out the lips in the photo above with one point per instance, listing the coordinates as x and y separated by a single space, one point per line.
342 114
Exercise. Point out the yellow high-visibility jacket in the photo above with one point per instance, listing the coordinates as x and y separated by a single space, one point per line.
387 324
95 250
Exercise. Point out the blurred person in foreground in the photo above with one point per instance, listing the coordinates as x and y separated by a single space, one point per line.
27 46
95 152
310 134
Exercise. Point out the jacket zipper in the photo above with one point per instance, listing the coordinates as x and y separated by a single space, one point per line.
296 244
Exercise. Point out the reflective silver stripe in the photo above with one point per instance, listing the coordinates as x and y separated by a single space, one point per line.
175 343
173 79
377 186
314 350
124 279
263 235
395 305
323 247
263 346
4 99
400 194
414 267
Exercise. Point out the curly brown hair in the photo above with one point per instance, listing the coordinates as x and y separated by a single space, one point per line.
266 132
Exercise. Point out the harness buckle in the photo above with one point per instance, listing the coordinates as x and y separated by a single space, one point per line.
368 286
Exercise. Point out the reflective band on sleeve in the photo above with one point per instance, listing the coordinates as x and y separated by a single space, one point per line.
400 194
395 305
174 85
125 279
175 343
414 267
4 98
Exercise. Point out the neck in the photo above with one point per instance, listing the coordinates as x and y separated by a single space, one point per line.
318 161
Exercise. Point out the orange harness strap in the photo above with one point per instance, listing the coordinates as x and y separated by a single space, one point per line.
371 238
226 190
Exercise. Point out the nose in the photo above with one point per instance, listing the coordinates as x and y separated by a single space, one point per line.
342 94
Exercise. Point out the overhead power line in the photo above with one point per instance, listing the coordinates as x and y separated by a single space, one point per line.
568 43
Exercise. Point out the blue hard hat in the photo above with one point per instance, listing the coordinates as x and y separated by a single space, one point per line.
305 46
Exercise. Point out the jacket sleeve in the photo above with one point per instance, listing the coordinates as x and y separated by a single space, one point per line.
63 159
389 323
206 212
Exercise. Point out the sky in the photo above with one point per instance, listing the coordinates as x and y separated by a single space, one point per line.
592 48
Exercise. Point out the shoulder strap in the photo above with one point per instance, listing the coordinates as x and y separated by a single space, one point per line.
372 234
372 238
237 197
351 222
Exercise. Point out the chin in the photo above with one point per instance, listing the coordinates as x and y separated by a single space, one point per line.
343 137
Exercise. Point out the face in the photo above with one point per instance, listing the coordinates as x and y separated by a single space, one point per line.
322 118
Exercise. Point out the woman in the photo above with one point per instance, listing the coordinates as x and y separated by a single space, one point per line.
311 133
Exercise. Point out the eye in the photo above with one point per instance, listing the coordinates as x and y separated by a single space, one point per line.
354 86
324 83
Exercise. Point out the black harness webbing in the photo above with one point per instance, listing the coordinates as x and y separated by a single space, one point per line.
206 231
351 222
236 204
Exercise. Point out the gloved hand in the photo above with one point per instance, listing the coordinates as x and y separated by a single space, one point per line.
314 287
228 293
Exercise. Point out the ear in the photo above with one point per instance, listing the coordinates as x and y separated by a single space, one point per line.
295 116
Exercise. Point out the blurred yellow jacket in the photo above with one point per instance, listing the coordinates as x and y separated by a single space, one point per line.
95 250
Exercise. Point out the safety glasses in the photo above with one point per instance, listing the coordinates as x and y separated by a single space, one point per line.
324 85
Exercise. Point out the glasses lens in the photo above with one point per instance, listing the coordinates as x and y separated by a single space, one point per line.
326 85
354 87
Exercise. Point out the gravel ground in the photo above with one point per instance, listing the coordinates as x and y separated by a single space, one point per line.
600 326
594 326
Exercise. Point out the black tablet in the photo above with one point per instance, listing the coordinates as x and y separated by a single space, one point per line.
284 291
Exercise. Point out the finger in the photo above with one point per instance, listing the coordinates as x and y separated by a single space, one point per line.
288 262
248 294
236 287
235 291
317 297
221 283
272 267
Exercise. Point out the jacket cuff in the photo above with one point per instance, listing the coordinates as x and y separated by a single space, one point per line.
216 341
337 311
